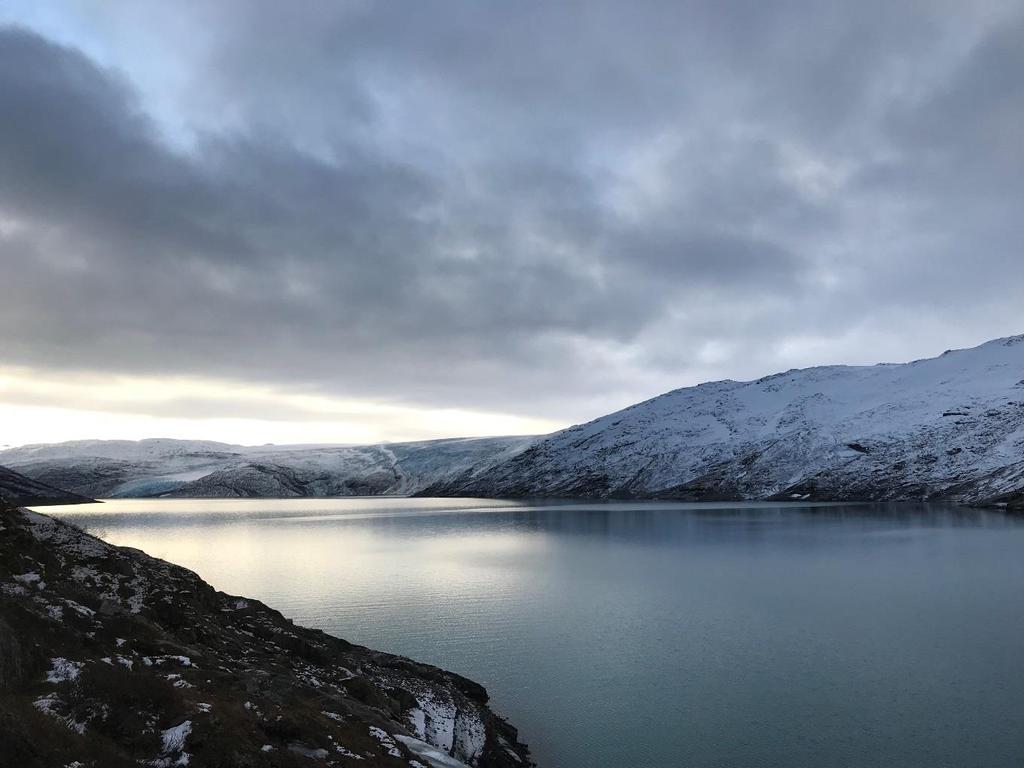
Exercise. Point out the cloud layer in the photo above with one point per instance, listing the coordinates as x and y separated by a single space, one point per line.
543 209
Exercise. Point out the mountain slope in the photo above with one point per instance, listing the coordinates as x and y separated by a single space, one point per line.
181 468
950 427
103 468
18 489
947 427
374 470
109 657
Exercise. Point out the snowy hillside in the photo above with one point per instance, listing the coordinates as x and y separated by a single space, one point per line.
120 468
947 427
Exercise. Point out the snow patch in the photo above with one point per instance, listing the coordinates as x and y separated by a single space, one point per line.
386 741
438 717
301 749
78 608
418 720
434 756
31 579
63 671
51 705
439 721
173 740
151 661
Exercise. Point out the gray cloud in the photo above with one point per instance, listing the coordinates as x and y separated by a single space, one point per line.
545 209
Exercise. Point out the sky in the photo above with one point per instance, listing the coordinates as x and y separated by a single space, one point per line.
333 221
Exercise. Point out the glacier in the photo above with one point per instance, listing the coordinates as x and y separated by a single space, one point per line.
943 428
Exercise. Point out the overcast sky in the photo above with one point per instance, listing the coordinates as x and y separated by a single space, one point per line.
354 221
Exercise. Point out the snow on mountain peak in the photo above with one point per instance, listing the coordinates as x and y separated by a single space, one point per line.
950 426
945 427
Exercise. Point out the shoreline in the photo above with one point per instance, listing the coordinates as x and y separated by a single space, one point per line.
121 637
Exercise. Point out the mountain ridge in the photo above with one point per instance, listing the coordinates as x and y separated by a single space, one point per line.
17 489
207 469
949 427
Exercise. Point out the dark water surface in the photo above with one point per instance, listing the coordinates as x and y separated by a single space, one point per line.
654 634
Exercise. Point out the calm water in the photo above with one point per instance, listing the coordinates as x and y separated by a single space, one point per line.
654 634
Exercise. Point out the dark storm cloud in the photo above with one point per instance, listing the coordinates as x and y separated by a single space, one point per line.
537 208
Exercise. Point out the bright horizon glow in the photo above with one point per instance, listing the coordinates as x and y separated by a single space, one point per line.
40 407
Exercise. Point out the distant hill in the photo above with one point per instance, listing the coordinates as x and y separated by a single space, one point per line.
203 469
950 427
19 490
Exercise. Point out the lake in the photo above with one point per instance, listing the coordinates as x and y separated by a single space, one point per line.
653 634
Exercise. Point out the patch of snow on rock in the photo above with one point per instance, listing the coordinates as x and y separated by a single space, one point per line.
173 740
52 706
418 720
301 749
470 735
31 578
386 741
431 754
438 720
63 671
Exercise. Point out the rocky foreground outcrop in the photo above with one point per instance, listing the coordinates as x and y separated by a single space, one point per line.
109 657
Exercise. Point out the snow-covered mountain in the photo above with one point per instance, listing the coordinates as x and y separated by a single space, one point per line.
950 427
163 467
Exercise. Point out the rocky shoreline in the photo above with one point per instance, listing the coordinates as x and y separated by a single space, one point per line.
109 657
